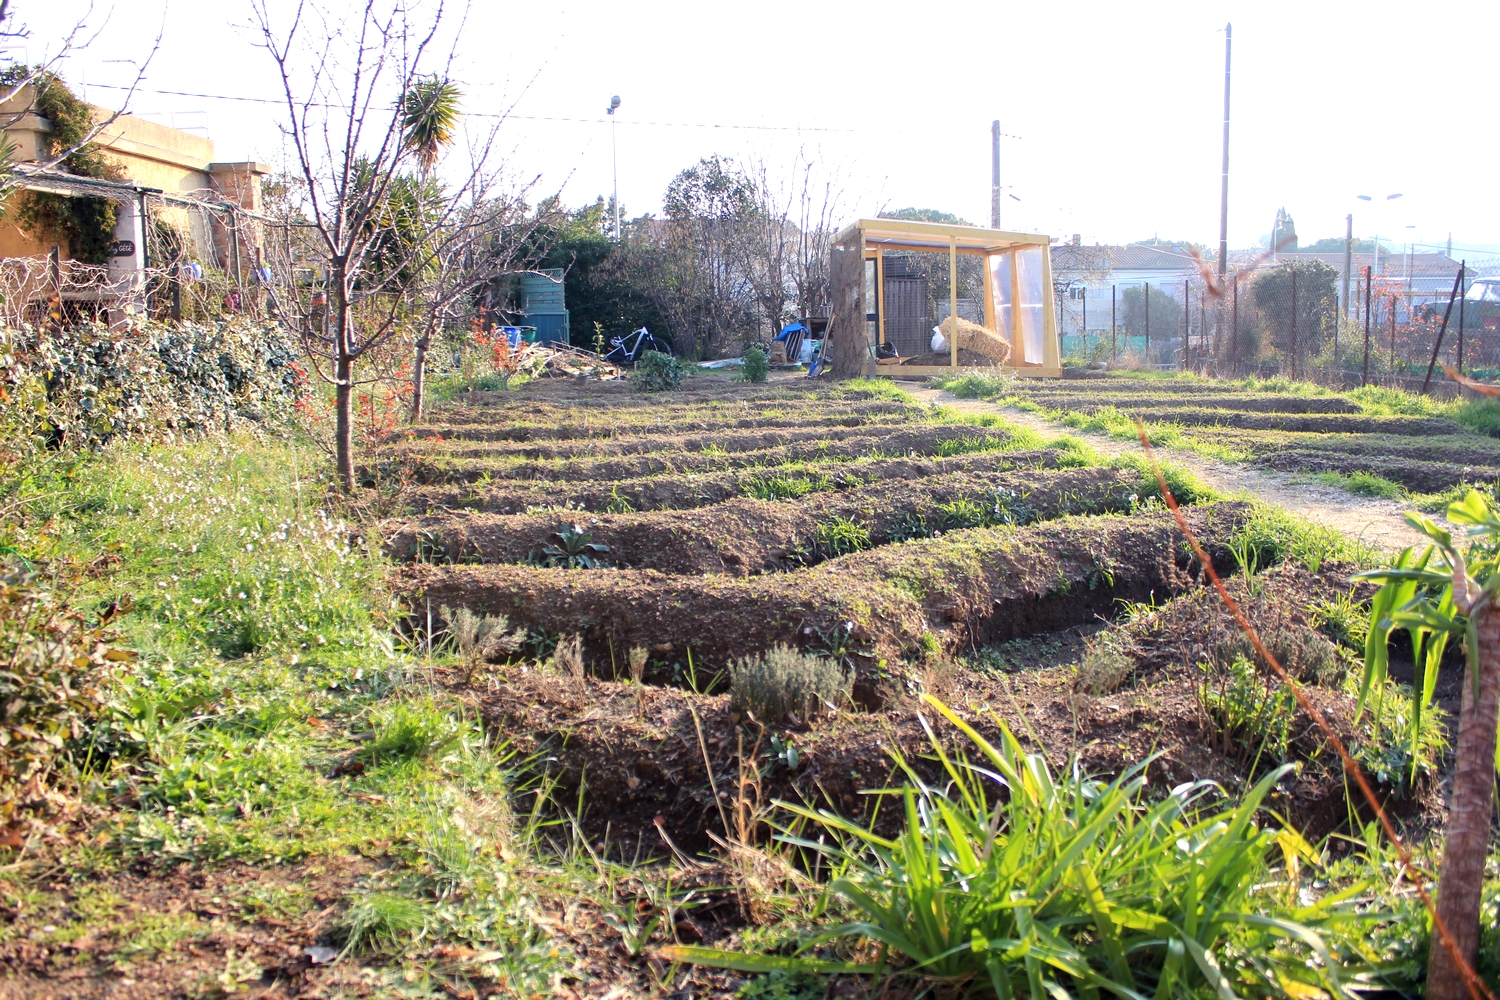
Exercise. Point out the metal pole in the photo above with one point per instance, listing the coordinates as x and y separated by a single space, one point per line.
1113 344
1458 283
995 174
614 151
1294 323
1148 322
1348 266
1085 293
1365 378
1224 179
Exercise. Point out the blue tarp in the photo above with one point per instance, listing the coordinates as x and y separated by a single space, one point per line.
790 329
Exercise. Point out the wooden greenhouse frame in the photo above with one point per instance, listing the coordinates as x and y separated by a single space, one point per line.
1020 260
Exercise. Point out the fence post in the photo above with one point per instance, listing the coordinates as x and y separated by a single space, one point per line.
1365 377
1437 344
1463 293
1202 326
1234 330
1113 348
1393 336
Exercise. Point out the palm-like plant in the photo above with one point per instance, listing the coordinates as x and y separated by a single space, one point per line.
1437 594
430 117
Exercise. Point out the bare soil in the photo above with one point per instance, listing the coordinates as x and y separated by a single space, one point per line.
669 456
637 756
679 491
966 588
746 536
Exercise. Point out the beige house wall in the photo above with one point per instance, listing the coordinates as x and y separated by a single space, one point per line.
150 156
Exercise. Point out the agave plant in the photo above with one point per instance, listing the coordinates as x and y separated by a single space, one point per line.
574 550
1010 881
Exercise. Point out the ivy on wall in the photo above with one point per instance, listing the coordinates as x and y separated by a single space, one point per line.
87 224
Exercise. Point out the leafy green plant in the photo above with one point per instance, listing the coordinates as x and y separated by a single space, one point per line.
841 536
1250 710
1363 484
573 550
53 688
970 445
409 731
757 366
1008 878
657 371
975 384
963 512
782 681
381 923
908 526
785 487
617 502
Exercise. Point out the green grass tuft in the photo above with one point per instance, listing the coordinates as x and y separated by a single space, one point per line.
1363 484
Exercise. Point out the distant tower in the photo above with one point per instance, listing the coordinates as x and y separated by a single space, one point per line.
1283 233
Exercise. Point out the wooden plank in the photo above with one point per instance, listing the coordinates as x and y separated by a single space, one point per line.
989 297
1017 314
880 295
973 235
1051 346
953 299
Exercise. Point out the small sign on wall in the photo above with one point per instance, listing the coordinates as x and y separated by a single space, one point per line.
122 248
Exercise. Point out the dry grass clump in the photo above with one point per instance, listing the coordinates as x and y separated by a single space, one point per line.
478 638
1106 663
783 683
567 658
1305 654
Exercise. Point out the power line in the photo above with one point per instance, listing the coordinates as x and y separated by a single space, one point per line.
490 114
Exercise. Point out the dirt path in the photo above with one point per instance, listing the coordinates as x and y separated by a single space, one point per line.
1373 520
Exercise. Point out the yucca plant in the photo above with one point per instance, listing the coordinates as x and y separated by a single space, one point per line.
1438 594
1008 880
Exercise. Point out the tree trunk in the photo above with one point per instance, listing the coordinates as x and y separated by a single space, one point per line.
344 422
418 377
1471 804
344 356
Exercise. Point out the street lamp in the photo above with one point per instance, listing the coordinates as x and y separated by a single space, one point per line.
614 149
1389 197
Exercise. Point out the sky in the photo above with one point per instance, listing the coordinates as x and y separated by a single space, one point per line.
1112 113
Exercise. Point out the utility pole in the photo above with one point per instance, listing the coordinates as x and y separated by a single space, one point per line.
1348 265
995 174
1224 181
614 149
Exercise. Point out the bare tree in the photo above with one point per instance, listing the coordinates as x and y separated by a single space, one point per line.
787 239
382 224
